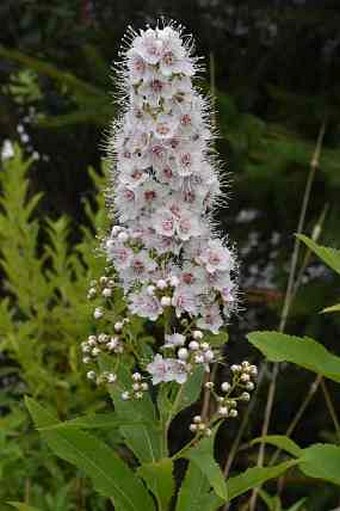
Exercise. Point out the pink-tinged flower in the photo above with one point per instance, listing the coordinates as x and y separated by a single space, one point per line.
164 223
149 46
227 295
184 301
165 127
188 226
144 305
216 257
167 369
140 267
137 67
118 253
211 319
174 340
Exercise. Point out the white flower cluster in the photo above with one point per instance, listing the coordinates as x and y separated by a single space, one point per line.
165 252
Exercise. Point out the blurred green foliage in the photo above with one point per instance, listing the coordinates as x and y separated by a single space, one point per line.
43 319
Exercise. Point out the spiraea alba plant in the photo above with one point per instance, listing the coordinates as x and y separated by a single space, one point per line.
168 291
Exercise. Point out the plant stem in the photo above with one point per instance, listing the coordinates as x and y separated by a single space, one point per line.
316 382
314 164
207 393
312 390
331 408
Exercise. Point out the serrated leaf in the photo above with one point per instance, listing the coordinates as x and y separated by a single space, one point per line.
321 461
281 441
255 477
141 430
203 456
159 479
195 493
304 352
110 475
329 255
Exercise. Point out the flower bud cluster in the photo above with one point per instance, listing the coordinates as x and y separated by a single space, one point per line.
102 287
101 378
101 343
138 388
234 392
199 427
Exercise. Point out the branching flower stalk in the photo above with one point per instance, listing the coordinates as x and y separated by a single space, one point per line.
164 253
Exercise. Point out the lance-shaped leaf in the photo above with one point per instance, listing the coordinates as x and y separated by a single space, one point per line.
98 421
203 456
159 479
140 427
321 461
110 475
329 255
195 493
304 352
255 477
282 442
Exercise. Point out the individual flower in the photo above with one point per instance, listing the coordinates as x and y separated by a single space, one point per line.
167 369
174 340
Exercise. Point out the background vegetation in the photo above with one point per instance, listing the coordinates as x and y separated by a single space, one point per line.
274 70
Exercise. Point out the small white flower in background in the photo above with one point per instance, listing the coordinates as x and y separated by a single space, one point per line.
7 150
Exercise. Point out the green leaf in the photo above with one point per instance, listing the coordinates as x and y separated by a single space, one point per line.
217 340
203 456
191 389
195 493
321 461
332 308
280 441
255 477
329 255
159 479
304 352
22 506
96 421
141 430
110 475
